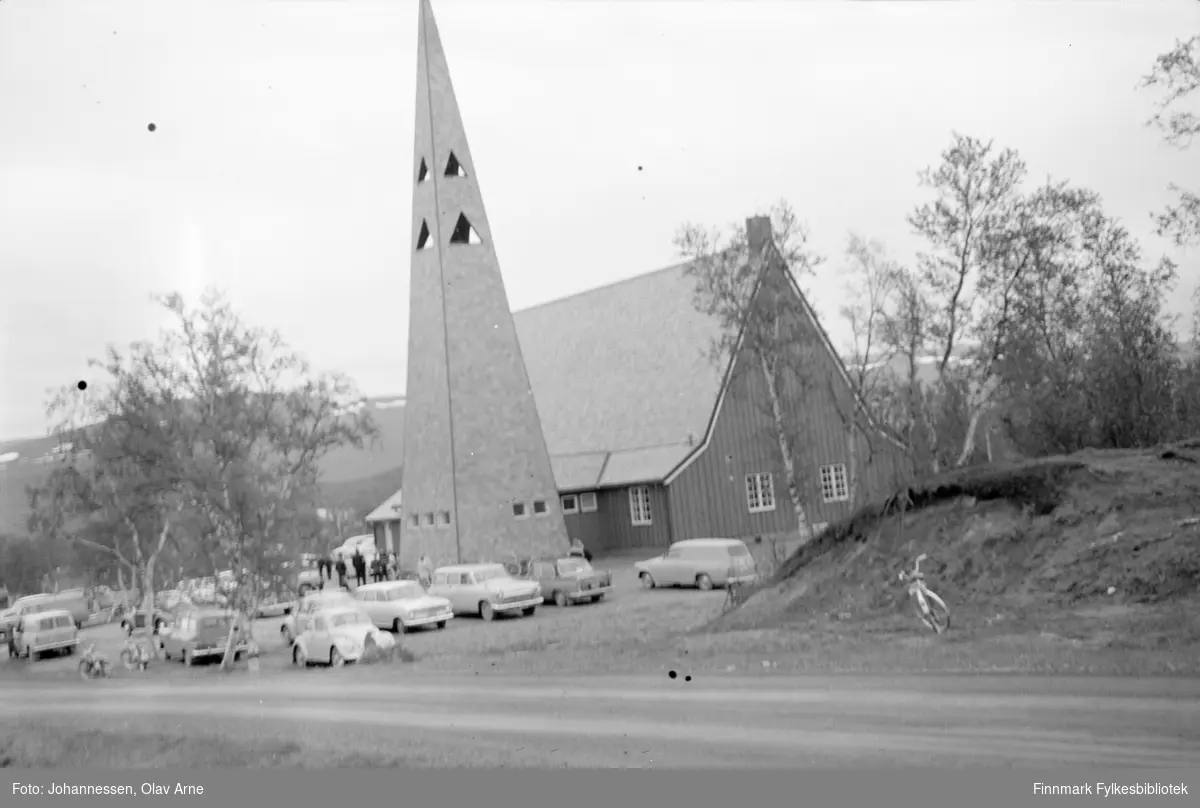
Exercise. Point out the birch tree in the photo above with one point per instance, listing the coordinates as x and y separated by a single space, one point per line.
261 420
869 294
1176 76
976 191
762 326
117 485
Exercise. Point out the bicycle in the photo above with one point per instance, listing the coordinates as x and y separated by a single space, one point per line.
135 655
931 609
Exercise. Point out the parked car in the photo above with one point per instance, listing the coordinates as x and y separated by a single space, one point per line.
39 633
338 635
308 580
72 601
402 605
703 563
270 607
139 619
568 580
485 590
201 633
297 617
363 543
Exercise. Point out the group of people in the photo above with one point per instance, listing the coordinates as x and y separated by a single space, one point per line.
382 568
386 567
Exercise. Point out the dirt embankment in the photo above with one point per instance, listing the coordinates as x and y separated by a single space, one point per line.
1103 548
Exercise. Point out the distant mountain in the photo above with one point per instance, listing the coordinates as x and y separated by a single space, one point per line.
350 478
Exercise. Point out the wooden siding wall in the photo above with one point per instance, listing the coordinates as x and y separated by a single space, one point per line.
709 497
619 532
589 528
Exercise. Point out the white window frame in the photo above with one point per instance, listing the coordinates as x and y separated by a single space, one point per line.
640 514
835 484
760 492
573 507
524 514
545 507
587 502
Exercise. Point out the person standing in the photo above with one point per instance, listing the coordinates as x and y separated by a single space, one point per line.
325 568
340 566
360 568
425 570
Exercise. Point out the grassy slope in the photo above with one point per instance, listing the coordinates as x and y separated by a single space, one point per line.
1061 564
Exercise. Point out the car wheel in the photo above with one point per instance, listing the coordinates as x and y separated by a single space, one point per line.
398 627
647 580
561 599
529 612
486 611
597 598
441 624
335 658
704 582
299 658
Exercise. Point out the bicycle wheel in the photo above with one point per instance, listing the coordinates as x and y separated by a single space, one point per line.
938 615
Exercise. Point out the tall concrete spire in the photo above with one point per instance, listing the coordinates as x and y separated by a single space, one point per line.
478 485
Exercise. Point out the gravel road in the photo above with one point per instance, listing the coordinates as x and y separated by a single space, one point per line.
615 721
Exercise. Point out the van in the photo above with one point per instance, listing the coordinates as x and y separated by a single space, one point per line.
702 563
72 601
45 632
364 543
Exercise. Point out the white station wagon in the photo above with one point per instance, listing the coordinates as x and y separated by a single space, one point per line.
402 605
486 590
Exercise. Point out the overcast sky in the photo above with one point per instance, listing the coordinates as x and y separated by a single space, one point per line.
280 167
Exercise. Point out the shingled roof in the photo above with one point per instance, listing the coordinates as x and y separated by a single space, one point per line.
622 378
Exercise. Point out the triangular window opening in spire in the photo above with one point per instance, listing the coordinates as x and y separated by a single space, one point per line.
422 172
464 233
423 237
454 168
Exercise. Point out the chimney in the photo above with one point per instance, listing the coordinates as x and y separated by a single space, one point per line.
758 233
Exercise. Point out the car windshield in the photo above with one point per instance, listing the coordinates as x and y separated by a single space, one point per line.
490 573
346 619
404 591
570 566
213 623
738 550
